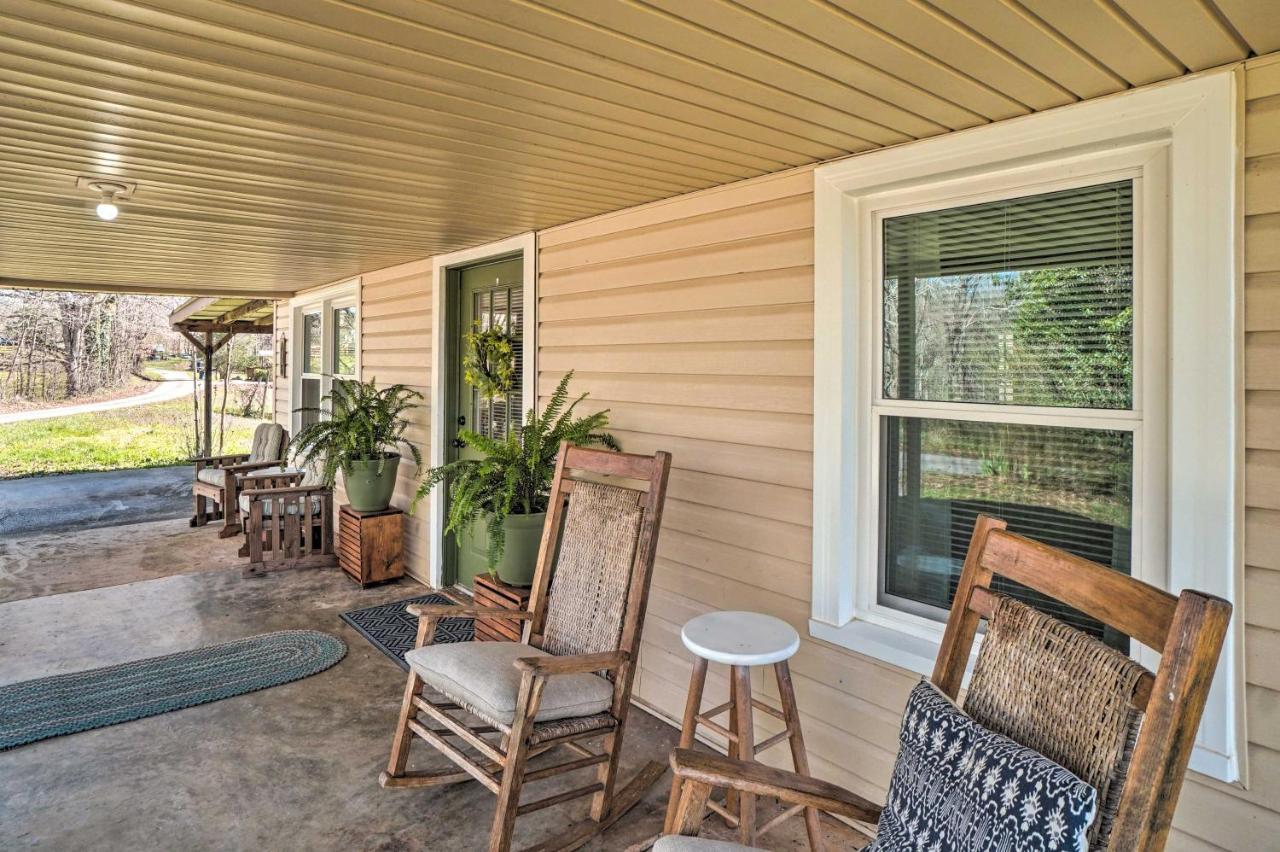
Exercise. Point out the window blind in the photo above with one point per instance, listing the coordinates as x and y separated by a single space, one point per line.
1025 301
1069 488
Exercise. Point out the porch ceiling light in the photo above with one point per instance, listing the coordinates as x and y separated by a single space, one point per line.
107 208
109 191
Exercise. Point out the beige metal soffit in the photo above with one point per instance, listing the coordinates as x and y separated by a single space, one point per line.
279 144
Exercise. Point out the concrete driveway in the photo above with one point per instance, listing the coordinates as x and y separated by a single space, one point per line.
173 386
43 504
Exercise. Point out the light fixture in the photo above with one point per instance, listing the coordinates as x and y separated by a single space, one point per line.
109 192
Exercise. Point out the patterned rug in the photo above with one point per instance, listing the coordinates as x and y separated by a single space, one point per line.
68 703
393 631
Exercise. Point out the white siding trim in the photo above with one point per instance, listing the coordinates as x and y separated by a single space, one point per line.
1196 120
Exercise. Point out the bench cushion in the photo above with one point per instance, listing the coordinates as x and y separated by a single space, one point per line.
212 475
482 677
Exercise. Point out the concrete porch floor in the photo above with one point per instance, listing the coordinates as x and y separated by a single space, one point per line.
290 767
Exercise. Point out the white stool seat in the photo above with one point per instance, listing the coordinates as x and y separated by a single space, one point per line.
741 638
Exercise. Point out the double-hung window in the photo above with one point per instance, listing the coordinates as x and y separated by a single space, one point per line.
1036 320
326 346
1007 385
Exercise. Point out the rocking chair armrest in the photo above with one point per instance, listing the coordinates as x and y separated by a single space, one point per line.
716 770
576 664
465 611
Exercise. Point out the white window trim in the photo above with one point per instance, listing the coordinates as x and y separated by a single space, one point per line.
1188 127
527 245
322 300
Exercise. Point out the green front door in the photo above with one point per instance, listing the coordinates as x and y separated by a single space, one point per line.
487 293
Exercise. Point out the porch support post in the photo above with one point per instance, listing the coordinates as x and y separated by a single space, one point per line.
208 394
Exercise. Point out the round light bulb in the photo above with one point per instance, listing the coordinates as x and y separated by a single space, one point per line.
107 211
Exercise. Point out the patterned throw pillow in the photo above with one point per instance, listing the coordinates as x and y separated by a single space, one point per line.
958 787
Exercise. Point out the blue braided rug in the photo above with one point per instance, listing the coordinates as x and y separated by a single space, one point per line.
68 703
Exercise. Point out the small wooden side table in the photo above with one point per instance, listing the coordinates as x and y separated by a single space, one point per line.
370 544
741 640
490 591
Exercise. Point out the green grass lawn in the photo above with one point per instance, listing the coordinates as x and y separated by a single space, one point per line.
142 436
152 369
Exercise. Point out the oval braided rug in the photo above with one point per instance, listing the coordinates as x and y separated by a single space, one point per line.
46 707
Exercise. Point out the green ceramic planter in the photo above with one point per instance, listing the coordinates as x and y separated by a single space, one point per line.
520 556
368 489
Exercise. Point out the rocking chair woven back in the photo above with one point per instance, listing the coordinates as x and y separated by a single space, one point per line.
588 595
1063 693
591 584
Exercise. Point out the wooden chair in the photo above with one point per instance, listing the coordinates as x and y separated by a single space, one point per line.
569 680
1044 684
287 518
217 478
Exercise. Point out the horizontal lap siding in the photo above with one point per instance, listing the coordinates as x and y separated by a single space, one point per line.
1208 811
395 346
692 321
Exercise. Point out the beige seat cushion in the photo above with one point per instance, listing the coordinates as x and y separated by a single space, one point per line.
212 475
482 677
672 843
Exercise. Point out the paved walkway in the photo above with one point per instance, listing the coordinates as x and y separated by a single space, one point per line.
172 387
75 501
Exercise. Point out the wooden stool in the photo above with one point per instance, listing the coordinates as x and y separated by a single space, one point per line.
741 640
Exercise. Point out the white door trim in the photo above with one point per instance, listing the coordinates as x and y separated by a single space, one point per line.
527 245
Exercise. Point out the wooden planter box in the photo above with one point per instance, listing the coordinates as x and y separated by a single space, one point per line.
489 591
369 545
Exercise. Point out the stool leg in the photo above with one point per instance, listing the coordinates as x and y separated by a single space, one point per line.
692 704
799 757
731 796
742 713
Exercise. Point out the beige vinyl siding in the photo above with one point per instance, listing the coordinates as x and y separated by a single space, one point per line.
395 346
692 321
1213 812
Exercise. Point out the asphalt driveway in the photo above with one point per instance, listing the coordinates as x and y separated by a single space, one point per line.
44 504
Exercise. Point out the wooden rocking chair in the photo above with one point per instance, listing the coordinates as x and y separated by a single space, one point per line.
569 681
217 478
1120 728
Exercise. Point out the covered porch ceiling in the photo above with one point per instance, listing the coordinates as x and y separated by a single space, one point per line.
280 144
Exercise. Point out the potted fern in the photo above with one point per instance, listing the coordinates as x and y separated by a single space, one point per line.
508 488
360 434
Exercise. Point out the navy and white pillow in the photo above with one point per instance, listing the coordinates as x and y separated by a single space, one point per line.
958 787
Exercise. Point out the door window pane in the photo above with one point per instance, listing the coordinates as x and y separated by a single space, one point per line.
1069 488
1026 301
344 341
502 307
312 348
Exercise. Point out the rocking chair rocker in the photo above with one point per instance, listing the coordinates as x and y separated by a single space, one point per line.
569 680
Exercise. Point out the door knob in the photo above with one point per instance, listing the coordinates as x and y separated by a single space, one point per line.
458 443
